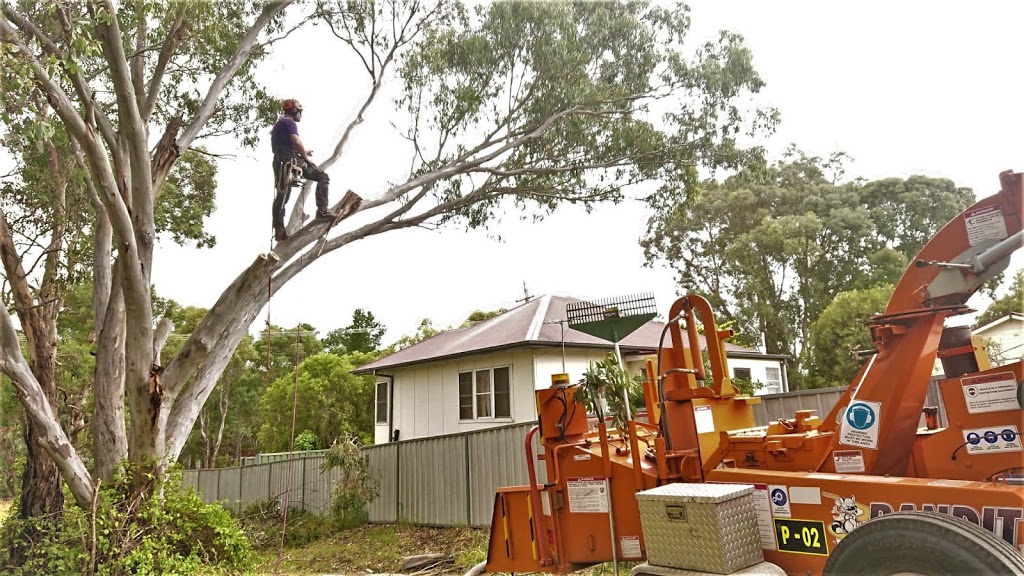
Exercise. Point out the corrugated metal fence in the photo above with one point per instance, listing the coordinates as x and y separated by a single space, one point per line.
440 481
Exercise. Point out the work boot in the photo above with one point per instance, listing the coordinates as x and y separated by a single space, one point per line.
280 235
322 213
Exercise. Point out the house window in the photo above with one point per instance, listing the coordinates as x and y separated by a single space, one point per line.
382 402
773 377
485 394
741 374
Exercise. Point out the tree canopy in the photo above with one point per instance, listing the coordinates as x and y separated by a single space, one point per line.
1012 301
772 246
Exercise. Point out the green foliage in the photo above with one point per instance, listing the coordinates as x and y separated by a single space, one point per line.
332 402
282 349
174 532
355 487
603 387
1012 301
306 441
771 246
12 447
839 333
426 330
478 316
362 335
626 97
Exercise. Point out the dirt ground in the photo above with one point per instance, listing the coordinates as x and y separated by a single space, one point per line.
376 550
380 549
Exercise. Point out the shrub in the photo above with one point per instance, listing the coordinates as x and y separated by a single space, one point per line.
355 488
170 532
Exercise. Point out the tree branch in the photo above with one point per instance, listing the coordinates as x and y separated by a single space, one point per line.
225 74
167 50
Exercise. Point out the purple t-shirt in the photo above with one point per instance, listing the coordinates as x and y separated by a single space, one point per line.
280 136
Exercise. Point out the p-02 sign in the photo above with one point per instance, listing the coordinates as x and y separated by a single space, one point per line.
801 536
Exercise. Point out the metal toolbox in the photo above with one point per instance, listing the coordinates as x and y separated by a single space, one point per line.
703 527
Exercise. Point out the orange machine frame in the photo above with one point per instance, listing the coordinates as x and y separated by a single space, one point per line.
819 477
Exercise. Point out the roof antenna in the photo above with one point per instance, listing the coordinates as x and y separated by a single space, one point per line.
526 294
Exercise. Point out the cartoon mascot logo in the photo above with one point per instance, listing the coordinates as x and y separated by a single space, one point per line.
847 514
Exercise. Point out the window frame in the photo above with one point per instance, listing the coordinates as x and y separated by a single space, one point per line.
749 376
474 394
377 402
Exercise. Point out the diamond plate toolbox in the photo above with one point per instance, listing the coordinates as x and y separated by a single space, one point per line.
704 527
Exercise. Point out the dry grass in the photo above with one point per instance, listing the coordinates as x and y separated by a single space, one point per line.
380 549
376 549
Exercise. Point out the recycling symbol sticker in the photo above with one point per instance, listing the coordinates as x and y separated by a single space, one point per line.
860 424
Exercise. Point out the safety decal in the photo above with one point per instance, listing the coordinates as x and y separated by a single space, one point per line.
990 393
848 460
985 224
861 424
780 501
801 536
630 546
587 495
999 438
703 418
763 508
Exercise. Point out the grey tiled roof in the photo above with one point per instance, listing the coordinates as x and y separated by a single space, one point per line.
533 323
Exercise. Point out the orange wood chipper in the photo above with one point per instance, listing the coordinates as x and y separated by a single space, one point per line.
869 488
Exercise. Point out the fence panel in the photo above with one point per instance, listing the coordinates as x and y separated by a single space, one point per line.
255 484
229 489
497 458
383 464
432 481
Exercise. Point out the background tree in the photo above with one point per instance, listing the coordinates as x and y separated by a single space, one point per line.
478 316
332 402
362 335
1012 301
770 247
839 333
591 98
424 331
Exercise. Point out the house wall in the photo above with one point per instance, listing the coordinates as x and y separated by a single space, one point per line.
1008 338
758 372
426 396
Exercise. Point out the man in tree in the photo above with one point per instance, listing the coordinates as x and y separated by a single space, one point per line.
288 151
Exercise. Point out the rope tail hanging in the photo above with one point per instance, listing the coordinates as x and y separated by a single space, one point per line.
291 443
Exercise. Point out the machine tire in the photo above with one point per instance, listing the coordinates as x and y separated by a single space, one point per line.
923 543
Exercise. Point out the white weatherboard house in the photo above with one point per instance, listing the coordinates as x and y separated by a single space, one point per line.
1007 337
484 375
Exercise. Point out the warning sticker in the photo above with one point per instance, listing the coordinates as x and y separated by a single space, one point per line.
992 439
848 460
703 418
630 546
780 501
985 224
763 508
861 424
990 393
587 495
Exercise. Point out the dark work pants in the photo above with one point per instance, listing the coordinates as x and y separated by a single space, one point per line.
309 172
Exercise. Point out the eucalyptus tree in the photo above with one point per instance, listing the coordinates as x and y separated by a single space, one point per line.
772 246
513 105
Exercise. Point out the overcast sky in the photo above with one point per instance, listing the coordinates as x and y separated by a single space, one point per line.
903 87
